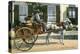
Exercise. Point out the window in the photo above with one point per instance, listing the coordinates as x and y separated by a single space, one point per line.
51 13
71 12
23 12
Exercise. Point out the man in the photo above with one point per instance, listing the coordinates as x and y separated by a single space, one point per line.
28 21
36 17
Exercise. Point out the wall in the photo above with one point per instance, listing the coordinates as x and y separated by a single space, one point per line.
63 12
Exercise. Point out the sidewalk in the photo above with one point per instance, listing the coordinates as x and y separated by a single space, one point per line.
66 33
70 32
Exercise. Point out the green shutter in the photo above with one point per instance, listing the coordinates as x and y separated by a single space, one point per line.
76 9
58 14
30 10
45 13
16 15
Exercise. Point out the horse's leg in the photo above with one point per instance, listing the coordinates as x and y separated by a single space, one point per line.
61 37
47 37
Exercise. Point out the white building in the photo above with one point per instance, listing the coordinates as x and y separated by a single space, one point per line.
53 13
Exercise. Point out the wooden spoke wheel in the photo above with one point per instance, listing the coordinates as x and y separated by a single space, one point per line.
25 39
21 45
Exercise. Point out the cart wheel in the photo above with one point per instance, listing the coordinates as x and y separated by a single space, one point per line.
24 39
21 45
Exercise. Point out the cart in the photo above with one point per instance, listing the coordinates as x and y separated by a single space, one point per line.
26 37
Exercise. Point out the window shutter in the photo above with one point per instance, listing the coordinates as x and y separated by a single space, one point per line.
58 14
16 15
30 10
76 9
45 13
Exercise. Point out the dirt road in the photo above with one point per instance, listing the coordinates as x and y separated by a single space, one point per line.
68 44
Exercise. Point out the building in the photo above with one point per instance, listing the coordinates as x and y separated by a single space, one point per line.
52 13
